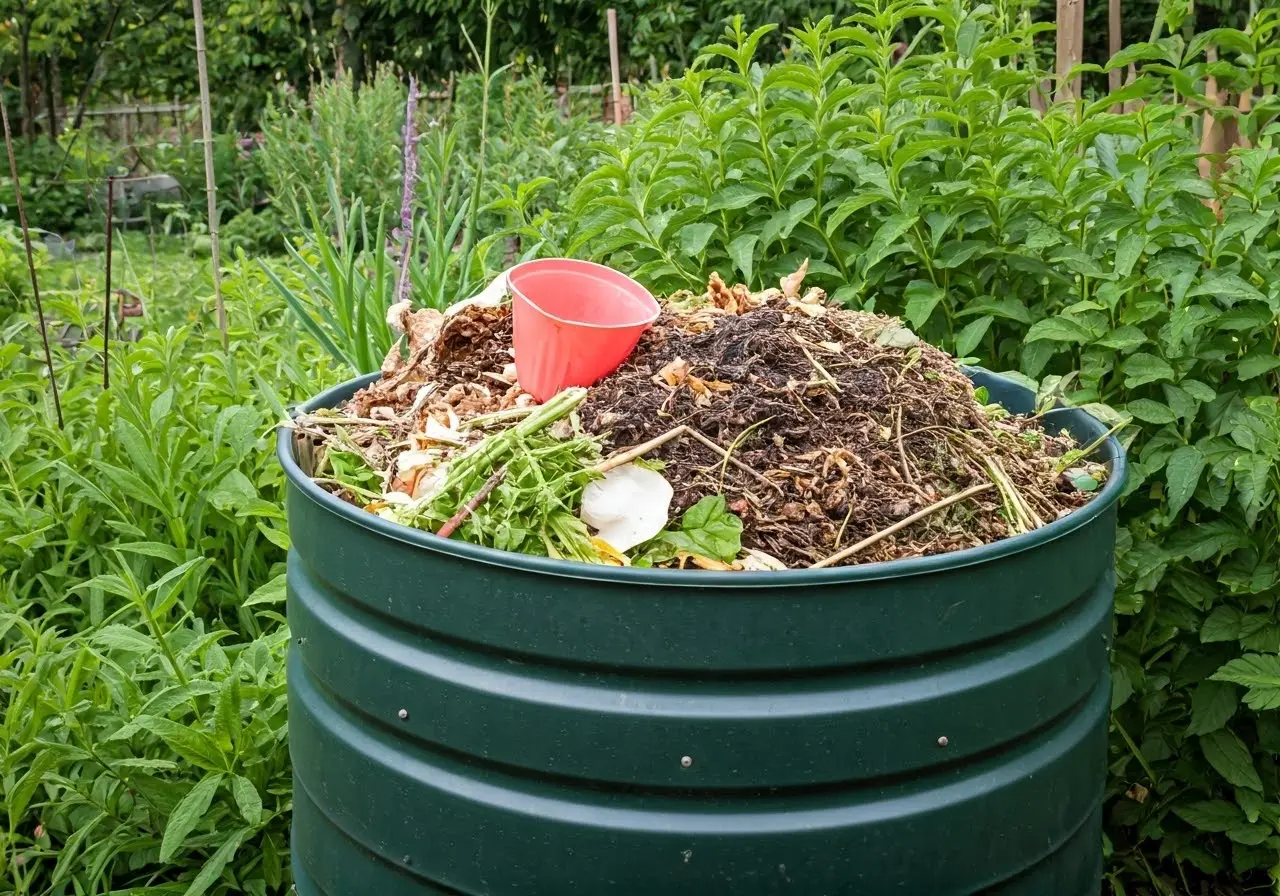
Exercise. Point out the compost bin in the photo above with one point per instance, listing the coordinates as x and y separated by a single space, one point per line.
469 721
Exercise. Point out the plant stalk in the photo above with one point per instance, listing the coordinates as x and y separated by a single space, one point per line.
31 263
407 190
106 295
867 542
469 236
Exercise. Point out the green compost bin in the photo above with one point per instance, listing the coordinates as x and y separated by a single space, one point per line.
468 721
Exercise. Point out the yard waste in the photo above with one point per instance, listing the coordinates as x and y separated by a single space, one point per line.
747 430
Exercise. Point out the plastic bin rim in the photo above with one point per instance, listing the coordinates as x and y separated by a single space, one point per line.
866 572
645 321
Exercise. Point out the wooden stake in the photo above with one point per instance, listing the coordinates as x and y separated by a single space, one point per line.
106 295
31 261
614 67
900 525
1115 44
210 186
1070 46
1210 130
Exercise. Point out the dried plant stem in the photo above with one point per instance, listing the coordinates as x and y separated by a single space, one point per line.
821 371
733 446
31 262
476 500
737 463
631 454
844 525
106 295
324 420
1022 517
902 451
848 552
210 186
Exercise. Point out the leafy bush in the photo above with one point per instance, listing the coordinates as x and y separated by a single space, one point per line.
143 743
349 130
1082 248
241 181
63 181
256 232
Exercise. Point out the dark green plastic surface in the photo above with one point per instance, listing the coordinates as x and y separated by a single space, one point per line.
469 721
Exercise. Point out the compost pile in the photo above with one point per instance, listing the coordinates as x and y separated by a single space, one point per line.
746 431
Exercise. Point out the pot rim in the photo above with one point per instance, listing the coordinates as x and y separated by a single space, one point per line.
887 569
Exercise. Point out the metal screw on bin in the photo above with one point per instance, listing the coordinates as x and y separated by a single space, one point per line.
686 761
403 714
942 741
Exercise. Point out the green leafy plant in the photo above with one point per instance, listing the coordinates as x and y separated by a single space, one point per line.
707 529
348 132
142 746
346 286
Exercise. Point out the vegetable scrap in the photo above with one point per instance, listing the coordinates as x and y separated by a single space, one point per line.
747 431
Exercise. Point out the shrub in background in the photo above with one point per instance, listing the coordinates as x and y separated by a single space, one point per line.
63 181
349 130
1082 249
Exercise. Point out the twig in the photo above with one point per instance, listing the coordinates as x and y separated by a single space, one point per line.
31 262
848 552
106 297
316 420
467 509
902 451
737 463
733 446
631 454
822 371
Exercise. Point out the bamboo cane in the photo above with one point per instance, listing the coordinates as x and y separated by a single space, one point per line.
210 185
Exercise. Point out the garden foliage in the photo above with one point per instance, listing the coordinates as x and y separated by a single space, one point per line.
1082 249
143 742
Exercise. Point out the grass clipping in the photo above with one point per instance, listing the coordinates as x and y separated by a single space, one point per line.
793 435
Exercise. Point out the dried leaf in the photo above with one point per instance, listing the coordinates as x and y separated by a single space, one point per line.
791 283
758 561
608 555
675 372
397 314
438 432
394 360
423 327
